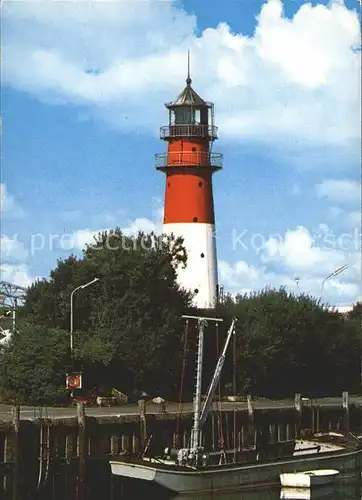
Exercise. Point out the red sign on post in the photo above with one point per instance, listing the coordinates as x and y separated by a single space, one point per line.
73 381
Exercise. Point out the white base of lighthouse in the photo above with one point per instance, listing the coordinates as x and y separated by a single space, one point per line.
200 274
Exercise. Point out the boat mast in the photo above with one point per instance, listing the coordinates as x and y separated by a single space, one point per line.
195 432
216 377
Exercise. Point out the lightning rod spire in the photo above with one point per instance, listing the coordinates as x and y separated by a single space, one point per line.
188 79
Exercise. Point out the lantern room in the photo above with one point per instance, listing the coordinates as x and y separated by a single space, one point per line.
190 116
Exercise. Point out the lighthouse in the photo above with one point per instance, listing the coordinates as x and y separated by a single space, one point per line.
189 165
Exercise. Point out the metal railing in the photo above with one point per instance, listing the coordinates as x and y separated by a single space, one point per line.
189 159
205 131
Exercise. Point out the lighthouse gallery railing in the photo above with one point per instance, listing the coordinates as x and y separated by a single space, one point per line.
189 158
189 130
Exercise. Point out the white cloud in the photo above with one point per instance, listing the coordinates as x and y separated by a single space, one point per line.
9 208
295 250
309 256
18 274
86 236
306 50
340 191
12 248
143 224
241 277
83 237
317 253
294 78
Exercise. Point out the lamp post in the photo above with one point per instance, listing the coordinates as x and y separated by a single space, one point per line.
335 273
80 287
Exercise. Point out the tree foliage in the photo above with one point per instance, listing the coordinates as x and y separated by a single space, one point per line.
127 328
128 331
288 344
32 369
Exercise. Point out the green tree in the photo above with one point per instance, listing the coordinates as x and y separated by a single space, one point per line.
32 368
288 343
127 329
356 313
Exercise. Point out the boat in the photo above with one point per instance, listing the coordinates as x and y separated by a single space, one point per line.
309 478
195 470
307 493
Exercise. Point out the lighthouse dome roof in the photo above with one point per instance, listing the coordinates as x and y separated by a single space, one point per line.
188 97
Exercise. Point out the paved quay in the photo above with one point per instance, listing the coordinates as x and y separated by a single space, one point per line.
33 412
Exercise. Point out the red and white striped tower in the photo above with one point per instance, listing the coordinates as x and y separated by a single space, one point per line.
189 205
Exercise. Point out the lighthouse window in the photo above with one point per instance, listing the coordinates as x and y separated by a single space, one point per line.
200 184
183 115
196 290
194 149
195 219
202 255
168 184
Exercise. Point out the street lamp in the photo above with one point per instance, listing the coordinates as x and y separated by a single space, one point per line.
71 310
335 273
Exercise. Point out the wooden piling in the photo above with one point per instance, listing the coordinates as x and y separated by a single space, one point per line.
318 428
298 413
69 453
250 428
69 448
124 443
287 432
82 449
345 405
114 445
273 433
143 424
8 457
16 454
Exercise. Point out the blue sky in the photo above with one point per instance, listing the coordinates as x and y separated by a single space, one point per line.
84 86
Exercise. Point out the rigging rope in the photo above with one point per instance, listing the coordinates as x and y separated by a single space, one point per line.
184 360
219 418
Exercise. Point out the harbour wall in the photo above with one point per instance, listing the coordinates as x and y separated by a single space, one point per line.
66 457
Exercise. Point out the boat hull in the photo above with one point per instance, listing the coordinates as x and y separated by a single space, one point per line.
229 477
